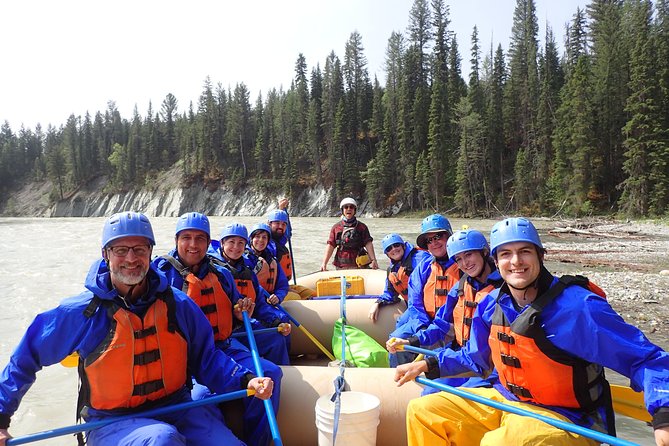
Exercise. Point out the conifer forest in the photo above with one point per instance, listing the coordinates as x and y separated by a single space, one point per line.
575 128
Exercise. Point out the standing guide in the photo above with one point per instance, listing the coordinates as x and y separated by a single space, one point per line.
549 339
352 240
129 315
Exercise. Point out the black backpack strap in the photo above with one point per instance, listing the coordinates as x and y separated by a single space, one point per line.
183 270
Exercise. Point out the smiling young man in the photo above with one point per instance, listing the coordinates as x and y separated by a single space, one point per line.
428 284
128 306
549 340
212 287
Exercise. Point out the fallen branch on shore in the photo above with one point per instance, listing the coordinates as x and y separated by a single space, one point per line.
590 233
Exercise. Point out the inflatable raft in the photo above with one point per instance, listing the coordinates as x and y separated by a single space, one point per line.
303 384
318 315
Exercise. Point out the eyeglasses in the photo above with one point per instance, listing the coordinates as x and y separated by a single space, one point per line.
348 206
394 246
122 251
435 237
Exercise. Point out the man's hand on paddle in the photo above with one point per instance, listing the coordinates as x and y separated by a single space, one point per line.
284 328
262 386
244 304
273 300
392 344
408 372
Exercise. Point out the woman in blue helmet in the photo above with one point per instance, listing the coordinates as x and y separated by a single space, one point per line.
212 287
549 339
127 305
230 254
404 258
451 325
266 267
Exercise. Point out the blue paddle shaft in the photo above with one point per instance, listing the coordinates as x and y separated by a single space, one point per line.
271 416
148 414
569 427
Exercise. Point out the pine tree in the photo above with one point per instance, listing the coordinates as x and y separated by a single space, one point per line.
470 173
521 95
552 80
646 187
610 70
495 130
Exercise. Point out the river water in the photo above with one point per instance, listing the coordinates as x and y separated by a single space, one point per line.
44 260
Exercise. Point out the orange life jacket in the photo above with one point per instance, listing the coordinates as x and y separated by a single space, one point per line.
438 284
285 260
266 272
534 369
468 299
400 279
214 302
141 360
243 280
208 295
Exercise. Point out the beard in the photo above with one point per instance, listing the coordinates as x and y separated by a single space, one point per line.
127 278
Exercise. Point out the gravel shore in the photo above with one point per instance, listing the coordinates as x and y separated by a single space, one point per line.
627 259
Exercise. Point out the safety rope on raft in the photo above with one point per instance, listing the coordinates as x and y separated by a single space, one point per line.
340 382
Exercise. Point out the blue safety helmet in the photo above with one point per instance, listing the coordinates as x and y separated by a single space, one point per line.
127 224
278 215
432 223
260 227
235 230
516 229
466 240
193 220
390 240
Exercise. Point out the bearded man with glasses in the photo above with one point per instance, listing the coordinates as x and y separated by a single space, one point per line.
138 341
429 285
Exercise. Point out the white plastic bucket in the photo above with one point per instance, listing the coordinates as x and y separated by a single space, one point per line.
358 419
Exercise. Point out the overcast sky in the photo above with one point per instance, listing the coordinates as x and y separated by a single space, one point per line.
73 56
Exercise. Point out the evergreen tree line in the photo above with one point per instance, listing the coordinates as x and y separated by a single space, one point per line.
530 131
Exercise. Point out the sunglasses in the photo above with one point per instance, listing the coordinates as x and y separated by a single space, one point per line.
348 206
435 237
394 246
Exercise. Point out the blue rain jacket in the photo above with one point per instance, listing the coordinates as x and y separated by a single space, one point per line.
389 293
56 333
580 323
256 427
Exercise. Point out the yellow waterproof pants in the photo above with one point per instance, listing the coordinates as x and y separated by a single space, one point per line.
446 419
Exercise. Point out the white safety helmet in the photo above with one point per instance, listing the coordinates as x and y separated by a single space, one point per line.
348 200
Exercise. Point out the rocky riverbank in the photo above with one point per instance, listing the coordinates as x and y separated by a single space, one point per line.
627 259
